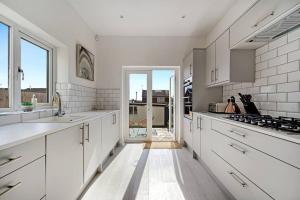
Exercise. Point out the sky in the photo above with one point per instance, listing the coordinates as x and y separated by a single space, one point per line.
138 82
33 62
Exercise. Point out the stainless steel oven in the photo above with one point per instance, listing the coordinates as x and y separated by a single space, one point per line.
188 90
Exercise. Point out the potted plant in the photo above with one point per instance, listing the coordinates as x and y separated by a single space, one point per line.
27 106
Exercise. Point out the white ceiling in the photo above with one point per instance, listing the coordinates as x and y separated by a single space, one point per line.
151 17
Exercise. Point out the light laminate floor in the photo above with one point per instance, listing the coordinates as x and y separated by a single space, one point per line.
154 174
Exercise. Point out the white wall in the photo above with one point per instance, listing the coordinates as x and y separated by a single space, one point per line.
115 52
58 23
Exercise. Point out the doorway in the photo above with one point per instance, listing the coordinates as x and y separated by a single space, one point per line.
150 105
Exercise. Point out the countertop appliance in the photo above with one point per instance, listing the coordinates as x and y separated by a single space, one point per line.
188 94
249 106
217 107
289 124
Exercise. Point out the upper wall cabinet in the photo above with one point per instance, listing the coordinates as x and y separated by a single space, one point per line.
188 66
262 14
224 65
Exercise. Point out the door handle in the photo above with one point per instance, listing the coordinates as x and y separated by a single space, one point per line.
263 19
82 134
88 132
10 160
238 179
238 148
8 188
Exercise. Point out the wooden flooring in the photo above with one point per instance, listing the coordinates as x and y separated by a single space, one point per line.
154 174
162 145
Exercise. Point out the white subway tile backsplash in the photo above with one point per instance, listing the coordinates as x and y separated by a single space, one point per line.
282 78
288 107
268 89
268 72
289 67
293 46
268 55
288 87
294 76
294 97
108 99
276 90
277 43
294 55
278 61
294 35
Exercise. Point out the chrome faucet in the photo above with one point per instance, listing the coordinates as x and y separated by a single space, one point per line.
59 113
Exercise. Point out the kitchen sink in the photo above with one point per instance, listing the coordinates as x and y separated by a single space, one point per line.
56 119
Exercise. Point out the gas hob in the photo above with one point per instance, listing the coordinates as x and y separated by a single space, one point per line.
289 124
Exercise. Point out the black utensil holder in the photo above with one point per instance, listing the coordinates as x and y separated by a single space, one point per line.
250 108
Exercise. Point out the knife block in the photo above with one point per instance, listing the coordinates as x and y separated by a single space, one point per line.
250 108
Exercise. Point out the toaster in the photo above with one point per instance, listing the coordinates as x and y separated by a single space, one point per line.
217 107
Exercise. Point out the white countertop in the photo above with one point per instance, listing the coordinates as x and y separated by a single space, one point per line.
14 134
268 131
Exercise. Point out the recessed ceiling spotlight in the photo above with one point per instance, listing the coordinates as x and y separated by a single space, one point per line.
183 16
122 16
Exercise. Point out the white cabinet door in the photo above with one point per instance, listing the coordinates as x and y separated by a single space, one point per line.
188 66
26 183
196 134
187 131
237 184
258 16
107 134
210 64
64 164
92 147
222 71
205 139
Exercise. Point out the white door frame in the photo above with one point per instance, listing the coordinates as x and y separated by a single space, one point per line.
124 100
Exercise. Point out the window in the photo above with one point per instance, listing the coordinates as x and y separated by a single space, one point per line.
26 68
161 100
35 65
4 66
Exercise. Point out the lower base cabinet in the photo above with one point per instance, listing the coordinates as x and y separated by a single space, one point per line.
238 185
64 172
26 183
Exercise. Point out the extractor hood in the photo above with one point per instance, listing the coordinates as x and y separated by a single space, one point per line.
281 27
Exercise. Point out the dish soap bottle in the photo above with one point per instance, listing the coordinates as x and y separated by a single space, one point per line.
34 101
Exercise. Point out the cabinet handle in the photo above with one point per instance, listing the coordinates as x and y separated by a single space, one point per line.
263 19
199 125
8 188
190 69
82 134
238 179
10 160
88 132
212 75
190 125
238 148
216 74
238 133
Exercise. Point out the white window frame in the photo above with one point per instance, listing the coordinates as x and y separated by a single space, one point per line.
16 34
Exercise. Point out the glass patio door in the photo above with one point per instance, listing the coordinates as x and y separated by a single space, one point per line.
139 96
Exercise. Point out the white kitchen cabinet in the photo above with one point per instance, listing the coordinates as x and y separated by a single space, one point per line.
205 141
262 14
26 183
222 58
210 64
188 65
238 185
92 147
187 132
64 163
196 141
225 65
20 155
257 165
110 132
